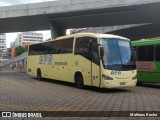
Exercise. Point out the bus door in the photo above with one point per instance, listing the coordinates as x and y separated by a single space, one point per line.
88 48
95 63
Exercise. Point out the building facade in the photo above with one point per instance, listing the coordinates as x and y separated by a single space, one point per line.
3 48
10 53
28 38
12 44
3 42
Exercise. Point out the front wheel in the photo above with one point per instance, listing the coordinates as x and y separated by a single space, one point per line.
79 81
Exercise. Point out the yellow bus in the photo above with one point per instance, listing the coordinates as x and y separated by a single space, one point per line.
100 60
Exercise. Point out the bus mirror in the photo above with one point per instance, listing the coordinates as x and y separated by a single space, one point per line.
101 51
134 54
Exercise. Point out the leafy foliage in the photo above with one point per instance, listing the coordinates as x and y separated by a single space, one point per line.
20 49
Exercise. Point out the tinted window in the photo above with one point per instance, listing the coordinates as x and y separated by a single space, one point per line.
150 53
82 47
52 47
141 53
88 48
157 53
35 49
62 46
146 53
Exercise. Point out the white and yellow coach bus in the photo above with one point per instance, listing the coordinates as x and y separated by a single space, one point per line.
99 60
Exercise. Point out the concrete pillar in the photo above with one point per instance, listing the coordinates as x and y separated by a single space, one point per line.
56 30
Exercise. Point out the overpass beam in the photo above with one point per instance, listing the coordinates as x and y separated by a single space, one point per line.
56 30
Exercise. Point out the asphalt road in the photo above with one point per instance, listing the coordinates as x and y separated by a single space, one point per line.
21 92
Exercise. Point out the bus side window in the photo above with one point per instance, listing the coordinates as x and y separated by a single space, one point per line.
146 53
87 47
141 53
62 46
82 47
150 53
157 53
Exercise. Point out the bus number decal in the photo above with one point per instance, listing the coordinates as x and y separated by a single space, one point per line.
115 72
50 58
45 58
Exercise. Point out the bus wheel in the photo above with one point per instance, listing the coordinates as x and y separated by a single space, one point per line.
139 83
79 80
39 75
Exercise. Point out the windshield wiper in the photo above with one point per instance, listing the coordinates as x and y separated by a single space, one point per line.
113 66
128 65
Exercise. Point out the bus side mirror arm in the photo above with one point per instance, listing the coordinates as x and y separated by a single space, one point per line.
134 54
101 51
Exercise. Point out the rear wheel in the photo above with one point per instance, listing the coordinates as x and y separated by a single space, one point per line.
139 83
79 80
39 75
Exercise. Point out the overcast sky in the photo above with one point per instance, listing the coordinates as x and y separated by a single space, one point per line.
11 36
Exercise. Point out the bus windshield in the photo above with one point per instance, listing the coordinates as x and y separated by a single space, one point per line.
117 54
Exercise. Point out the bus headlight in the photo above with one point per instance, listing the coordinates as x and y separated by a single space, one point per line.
134 78
105 77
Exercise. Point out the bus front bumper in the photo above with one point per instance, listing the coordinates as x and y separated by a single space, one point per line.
117 83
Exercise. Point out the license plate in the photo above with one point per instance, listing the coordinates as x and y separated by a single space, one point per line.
122 83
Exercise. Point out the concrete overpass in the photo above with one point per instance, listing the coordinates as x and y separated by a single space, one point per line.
134 31
65 14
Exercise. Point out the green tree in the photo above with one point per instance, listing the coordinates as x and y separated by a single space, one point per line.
20 49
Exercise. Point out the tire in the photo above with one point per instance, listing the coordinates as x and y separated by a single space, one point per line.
39 75
79 80
139 83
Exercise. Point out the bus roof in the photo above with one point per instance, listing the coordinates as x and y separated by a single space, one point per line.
145 42
98 35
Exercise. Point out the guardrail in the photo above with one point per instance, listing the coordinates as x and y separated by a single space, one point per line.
18 63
